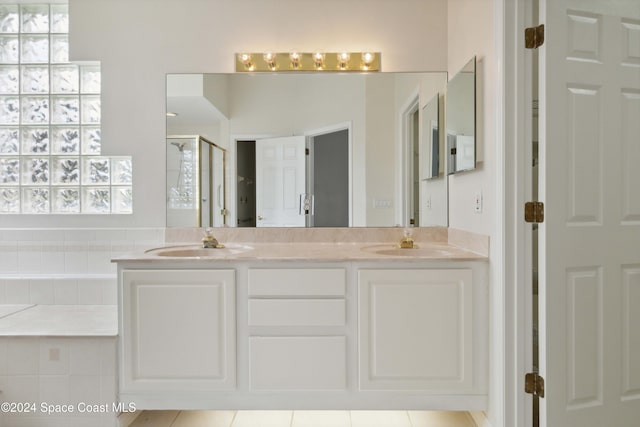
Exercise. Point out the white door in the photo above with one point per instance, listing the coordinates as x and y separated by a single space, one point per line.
590 239
280 180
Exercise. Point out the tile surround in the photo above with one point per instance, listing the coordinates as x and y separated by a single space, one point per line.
41 369
66 266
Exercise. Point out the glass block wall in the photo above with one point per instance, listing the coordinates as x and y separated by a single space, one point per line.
50 139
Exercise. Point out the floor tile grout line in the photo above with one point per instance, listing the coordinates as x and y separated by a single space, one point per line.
408 418
233 419
175 419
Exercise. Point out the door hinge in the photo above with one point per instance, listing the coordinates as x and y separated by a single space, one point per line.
534 212
534 37
306 151
534 384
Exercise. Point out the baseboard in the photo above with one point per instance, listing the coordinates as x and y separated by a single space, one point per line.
479 419
125 419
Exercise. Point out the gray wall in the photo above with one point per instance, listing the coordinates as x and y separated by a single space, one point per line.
331 179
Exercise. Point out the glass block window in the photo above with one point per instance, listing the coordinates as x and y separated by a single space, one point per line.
50 143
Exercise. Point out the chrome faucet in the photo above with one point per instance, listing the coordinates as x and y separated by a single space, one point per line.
407 241
210 242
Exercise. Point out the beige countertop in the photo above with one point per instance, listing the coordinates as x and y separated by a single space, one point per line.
308 251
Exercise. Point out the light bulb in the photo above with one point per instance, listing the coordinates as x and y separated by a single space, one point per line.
318 59
343 60
270 59
295 57
367 58
245 59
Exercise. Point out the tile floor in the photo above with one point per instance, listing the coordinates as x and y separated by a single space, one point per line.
303 419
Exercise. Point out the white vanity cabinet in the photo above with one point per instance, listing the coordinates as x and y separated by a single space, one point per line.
283 334
177 332
416 330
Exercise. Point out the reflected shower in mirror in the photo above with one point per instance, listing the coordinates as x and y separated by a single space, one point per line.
348 127
195 182
461 120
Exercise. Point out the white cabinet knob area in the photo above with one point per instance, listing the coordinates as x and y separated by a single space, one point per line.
304 335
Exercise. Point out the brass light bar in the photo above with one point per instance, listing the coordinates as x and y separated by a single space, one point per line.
307 61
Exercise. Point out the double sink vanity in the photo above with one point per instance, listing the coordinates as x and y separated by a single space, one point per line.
306 319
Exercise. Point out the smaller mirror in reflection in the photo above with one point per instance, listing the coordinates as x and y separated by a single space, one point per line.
430 138
461 120
195 182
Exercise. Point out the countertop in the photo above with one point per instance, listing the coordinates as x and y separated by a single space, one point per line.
330 251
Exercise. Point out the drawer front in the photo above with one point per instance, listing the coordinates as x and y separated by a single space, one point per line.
297 312
308 282
298 363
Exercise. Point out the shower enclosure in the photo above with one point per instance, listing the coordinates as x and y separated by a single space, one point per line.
195 182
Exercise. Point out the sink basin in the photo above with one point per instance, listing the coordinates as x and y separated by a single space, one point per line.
198 251
416 251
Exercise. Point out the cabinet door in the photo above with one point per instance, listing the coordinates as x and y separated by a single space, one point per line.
415 330
298 363
178 330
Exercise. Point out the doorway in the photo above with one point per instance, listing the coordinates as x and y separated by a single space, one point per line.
409 214
245 183
328 179
323 199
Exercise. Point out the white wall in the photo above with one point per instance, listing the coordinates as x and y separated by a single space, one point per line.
471 32
139 41
474 30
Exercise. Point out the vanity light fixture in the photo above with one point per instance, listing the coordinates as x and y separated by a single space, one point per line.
308 61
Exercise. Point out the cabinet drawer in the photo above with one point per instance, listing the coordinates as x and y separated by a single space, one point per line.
308 282
298 363
297 312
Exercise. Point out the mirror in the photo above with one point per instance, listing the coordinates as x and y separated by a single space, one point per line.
195 182
434 182
349 128
433 162
461 120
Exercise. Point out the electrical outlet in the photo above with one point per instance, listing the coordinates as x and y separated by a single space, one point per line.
427 202
477 202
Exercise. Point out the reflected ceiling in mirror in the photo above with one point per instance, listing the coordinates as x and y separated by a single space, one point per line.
350 124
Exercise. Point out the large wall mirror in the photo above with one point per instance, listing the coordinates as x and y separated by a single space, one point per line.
316 149
461 120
